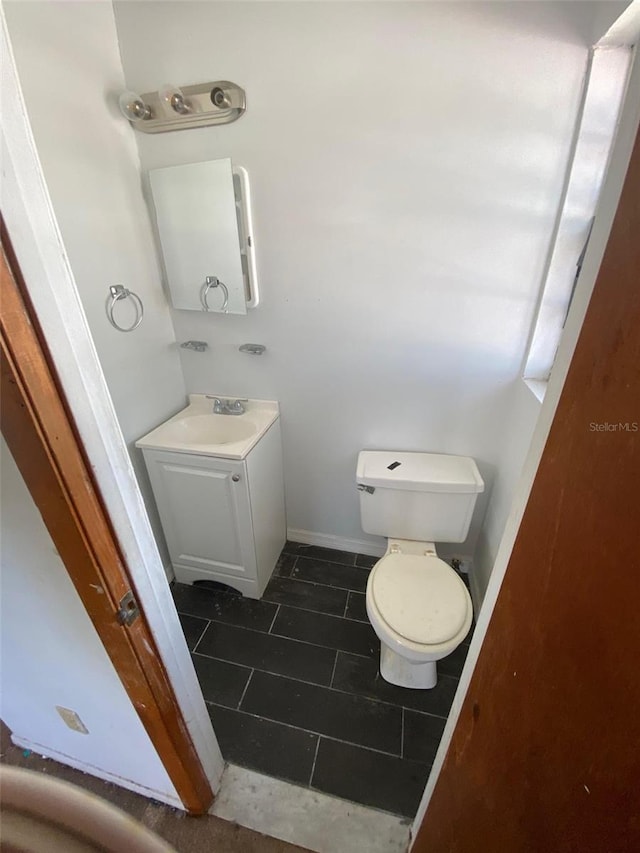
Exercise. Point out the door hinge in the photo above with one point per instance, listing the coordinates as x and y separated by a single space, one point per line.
128 611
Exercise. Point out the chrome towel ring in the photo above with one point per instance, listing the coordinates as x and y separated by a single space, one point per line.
209 283
119 292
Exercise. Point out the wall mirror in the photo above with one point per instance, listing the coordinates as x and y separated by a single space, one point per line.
203 218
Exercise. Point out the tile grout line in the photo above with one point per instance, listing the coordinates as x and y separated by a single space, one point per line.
316 560
330 615
423 713
224 660
293 640
333 671
343 692
402 737
324 560
201 636
310 610
329 686
318 646
273 621
313 766
246 687
300 680
293 567
330 585
346 605
306 731
325 686
291 606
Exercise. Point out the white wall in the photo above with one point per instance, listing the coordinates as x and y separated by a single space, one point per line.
52 655
406 162
519 425
598 122
597 134
607 205
70 72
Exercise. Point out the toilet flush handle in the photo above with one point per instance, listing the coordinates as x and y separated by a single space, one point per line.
368 489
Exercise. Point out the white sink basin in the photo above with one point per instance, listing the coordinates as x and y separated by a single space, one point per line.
209 429
197 430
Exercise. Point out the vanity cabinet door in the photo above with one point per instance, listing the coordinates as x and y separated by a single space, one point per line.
205 512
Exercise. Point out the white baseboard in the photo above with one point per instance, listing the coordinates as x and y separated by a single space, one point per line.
92 770
339 543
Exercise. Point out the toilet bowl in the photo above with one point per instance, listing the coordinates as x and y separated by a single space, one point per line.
420 610
418 605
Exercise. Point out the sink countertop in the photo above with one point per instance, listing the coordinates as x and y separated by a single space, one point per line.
172 435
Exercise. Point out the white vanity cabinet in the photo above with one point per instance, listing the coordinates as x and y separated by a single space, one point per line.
223 519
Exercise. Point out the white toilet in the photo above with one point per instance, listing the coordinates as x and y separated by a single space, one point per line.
418 606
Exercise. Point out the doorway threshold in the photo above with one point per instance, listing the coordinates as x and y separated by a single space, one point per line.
311 819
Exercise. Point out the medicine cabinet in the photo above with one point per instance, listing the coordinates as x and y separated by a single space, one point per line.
203 219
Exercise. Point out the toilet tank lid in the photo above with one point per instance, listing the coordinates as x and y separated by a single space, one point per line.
419 472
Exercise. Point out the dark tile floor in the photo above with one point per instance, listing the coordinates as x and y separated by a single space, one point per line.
293 687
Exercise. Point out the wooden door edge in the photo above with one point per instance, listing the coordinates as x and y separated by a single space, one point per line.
38 426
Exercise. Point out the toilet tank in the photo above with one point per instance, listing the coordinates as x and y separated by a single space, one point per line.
424 496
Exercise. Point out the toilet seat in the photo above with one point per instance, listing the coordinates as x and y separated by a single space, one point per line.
419 597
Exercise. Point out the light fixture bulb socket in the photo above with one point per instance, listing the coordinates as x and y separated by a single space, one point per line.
133 107
172 96
219 98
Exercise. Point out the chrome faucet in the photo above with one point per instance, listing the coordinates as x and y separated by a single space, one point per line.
228 407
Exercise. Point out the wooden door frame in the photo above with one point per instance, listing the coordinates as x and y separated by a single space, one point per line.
43 441
623 170
38 246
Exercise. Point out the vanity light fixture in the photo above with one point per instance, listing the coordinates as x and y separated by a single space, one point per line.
173 108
